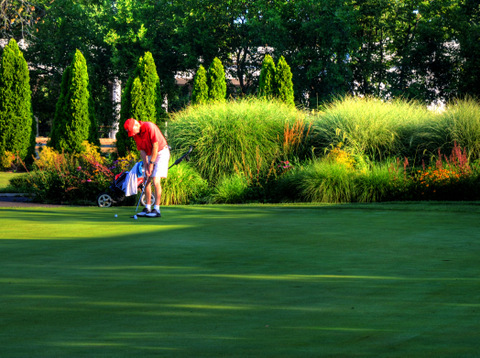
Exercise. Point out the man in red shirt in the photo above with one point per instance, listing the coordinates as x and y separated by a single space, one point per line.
155 155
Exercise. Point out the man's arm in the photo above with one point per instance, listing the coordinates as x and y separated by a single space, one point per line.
143 155
154 152
150 165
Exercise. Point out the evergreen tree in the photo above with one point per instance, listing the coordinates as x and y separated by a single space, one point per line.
74 117
266 86
217 85
141 99
17 127
200 88
283 79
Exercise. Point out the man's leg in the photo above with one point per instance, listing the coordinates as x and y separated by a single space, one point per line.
148 197
148 193
161 170
155 213
158 190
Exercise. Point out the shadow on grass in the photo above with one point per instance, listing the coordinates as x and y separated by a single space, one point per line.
239 281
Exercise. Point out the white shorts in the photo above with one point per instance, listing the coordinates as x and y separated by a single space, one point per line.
161 163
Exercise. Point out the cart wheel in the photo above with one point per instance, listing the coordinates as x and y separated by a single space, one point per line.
104 200
143 199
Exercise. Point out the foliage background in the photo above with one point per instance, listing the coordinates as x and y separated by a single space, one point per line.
410 48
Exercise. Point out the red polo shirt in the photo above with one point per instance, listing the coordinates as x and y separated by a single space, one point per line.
149 134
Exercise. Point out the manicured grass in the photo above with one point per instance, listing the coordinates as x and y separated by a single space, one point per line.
396 280
4 180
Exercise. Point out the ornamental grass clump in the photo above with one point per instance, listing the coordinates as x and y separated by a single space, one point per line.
381 182
244 136
327 181
373 128
183 185
231 189
460 123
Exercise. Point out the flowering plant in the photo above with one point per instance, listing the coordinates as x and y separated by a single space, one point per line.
70 178
447 179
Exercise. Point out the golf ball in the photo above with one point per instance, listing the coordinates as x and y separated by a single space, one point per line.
116 215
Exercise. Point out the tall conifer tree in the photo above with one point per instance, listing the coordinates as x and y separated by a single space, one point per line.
283 79
17 127
73 120
200 87
141 99
217 85
266 86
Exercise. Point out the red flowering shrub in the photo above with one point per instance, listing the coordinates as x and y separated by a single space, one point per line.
67 178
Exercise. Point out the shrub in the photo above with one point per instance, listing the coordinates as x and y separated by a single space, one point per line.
7 159
66 178
47 159
122 164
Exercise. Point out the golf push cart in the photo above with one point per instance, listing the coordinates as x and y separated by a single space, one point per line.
122 185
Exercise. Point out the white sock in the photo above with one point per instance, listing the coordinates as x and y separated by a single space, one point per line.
157 207
148 207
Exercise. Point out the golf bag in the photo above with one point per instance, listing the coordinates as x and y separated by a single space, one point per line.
125 184
129 182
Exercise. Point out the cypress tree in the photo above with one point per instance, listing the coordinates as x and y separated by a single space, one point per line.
217 85
73 122
17 127
283 79
124 143
200 88
150 94
141 99
266 86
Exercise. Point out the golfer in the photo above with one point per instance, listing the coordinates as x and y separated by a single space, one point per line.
155 155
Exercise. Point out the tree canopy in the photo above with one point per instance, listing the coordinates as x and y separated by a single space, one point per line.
426 50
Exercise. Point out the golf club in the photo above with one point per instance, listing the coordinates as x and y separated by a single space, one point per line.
182 158
145 183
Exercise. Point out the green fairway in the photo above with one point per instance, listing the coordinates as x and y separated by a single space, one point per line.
5 180
386 280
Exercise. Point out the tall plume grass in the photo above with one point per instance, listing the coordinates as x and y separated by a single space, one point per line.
374 128
244 136
460 123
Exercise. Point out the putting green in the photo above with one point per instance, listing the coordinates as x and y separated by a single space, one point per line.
396 280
